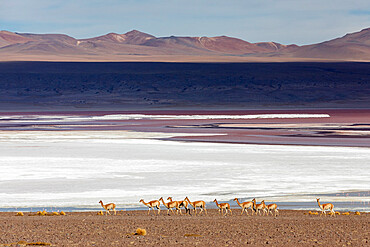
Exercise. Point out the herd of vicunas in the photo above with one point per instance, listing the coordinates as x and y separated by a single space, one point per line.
177 205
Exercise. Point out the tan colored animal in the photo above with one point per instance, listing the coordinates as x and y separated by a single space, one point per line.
171 205
184 204
108 207
223 206
152 204
326 206
271 207
196 204
259 207
245 206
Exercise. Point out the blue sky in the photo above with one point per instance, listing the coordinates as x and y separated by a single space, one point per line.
284 21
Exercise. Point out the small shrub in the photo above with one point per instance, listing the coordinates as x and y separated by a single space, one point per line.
140 231
42 213
39 244
62 213
19 214
192 235
357 213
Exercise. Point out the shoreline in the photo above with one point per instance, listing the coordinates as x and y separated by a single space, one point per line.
343 201
176 139
340 127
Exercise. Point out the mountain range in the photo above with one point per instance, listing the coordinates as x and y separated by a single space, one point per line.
139 45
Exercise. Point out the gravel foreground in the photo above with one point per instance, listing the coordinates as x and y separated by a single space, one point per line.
290 228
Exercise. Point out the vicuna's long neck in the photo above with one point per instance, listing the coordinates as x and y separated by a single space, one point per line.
102 204
187 199
318 202
216 203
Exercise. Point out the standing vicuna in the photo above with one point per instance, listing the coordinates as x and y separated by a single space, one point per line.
271 207
151 205
259 207
245 206
326 206
184 204
222 206
108 207
199 204
170 205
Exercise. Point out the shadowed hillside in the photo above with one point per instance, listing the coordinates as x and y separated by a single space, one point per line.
51 85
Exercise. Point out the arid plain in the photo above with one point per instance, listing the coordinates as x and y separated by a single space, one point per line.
291 228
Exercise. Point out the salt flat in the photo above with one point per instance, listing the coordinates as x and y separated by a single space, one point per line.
79 168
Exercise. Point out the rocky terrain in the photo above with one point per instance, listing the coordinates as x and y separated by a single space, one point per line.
290 228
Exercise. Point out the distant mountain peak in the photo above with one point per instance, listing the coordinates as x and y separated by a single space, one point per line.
138 33
352 46
134 31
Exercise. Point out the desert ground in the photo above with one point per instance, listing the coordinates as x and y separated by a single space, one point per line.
290 228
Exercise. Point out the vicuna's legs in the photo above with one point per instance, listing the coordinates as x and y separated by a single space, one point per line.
205 210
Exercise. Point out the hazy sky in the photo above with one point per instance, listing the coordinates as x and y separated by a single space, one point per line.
284 21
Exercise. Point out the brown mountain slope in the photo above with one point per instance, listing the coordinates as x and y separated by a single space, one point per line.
133 37
353 46
220 44
50 37
43 47
43 44
274 47
9 38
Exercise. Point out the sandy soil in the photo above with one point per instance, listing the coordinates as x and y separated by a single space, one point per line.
291 228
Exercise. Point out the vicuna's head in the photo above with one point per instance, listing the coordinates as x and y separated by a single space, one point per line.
169 198
186 198
214 200
100 201
141 200
235 199
160 198
317 199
